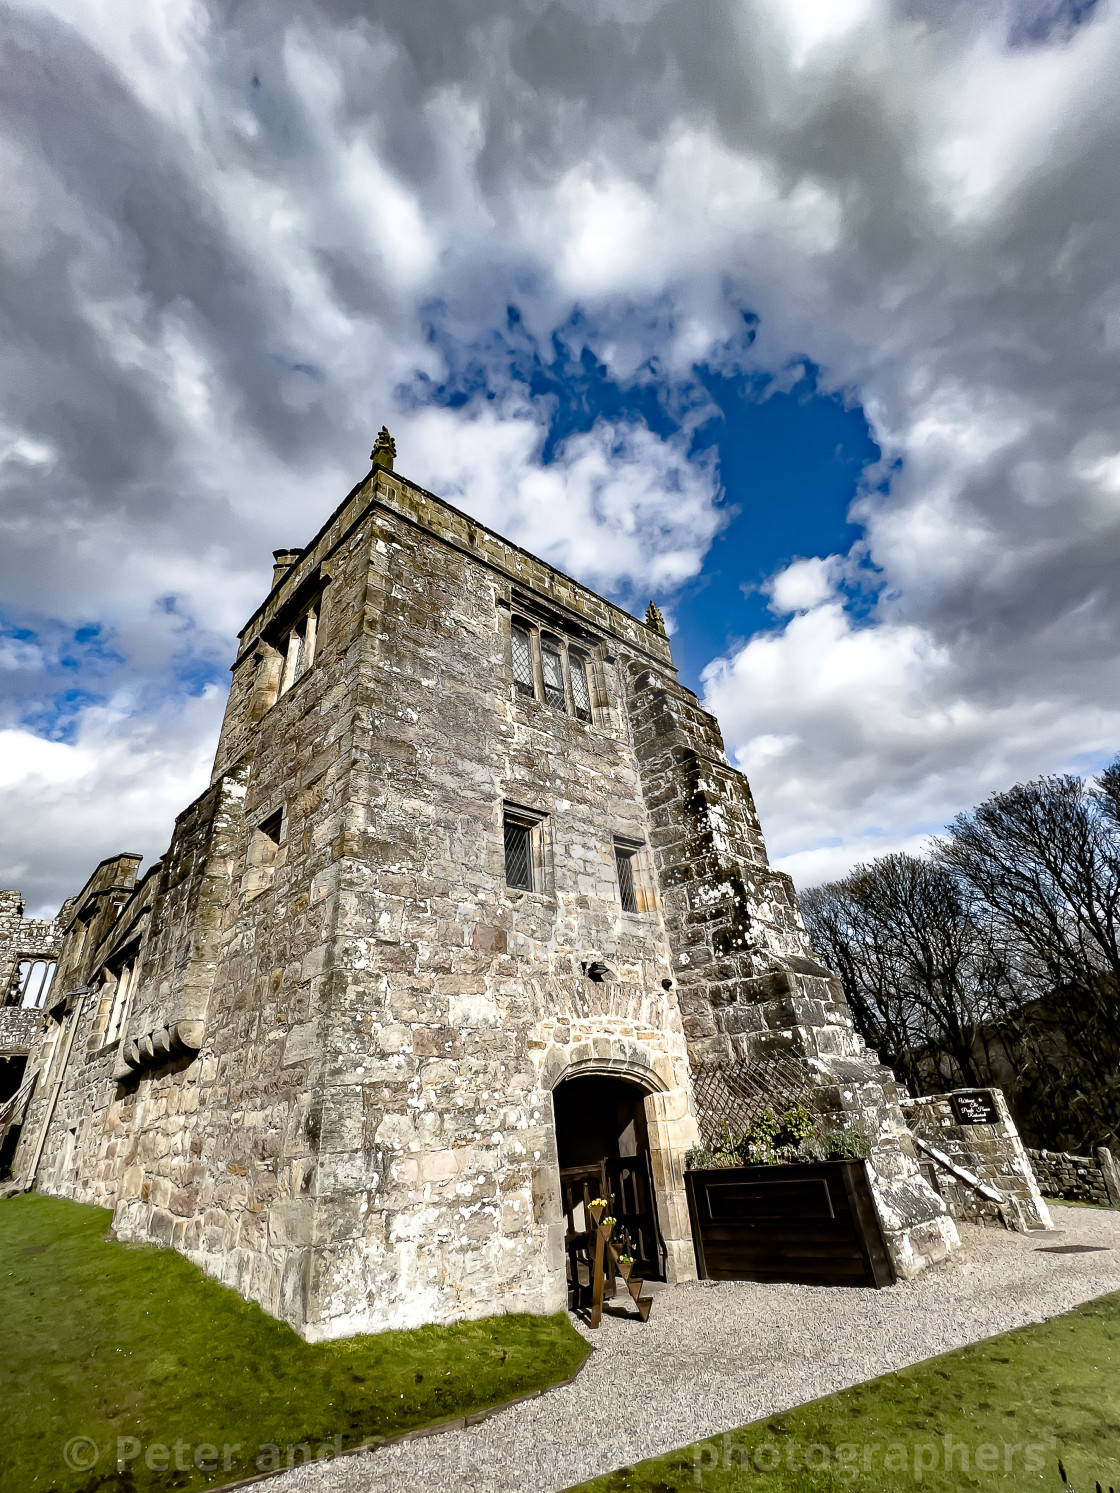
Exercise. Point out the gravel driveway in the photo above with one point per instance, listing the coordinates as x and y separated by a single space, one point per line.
715 1355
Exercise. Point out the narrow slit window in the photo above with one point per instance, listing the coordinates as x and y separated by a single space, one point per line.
519 856
581 696
553 670
273 826
523 662
624 860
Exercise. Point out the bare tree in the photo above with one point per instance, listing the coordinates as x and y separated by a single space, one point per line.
1042 862
916 965
997 959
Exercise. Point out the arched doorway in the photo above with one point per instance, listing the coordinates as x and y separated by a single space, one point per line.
603 1151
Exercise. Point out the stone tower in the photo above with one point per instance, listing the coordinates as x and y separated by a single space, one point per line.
472 887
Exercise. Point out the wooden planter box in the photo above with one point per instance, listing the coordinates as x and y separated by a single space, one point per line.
812 1225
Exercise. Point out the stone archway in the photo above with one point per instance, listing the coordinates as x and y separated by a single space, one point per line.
602 1149
630 1116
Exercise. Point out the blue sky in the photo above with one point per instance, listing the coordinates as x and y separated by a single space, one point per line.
790 458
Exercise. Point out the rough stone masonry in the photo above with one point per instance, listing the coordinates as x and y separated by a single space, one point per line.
466 838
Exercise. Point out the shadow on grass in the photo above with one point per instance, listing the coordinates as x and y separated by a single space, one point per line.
112 1348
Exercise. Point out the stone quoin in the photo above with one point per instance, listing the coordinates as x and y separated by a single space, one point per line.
472 862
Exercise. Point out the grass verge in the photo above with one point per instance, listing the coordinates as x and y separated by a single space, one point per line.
113 1348
1000 1414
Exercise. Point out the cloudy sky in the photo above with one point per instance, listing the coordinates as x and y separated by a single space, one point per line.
802 316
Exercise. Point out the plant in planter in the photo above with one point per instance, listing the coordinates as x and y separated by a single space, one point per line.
796 1136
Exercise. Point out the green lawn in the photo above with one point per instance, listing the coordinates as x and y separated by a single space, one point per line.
1001 1414
128 1350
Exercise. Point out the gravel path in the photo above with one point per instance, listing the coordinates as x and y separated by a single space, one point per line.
715 1355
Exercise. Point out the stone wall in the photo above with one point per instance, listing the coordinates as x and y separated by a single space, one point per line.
1079 1179
993 1153
750 986
19 1030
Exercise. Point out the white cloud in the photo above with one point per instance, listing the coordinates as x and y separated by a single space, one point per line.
221 256
117 787
803 584
617 507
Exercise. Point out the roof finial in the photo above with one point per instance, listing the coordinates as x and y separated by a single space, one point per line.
654 619
384 450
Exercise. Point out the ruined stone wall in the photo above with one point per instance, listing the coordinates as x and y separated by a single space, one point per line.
22 938
993 1153
19 1030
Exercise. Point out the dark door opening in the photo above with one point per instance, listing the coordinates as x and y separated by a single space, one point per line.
603 1150
11 1076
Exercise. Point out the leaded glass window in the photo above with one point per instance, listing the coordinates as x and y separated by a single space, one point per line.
581 698
519 855
553 670
523 662
624 859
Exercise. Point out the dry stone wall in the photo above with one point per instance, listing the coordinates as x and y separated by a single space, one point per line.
1078 1179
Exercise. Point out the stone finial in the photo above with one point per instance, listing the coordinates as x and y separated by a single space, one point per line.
384 450
654 619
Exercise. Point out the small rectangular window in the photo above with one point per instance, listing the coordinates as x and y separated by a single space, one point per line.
299 650
553 670
523 662
519 855
122 999
581 696
264 854
624 860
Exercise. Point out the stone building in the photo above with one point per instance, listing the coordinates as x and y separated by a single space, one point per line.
472 896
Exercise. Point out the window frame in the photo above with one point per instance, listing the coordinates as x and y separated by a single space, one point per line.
25 973
555 694
579 665
517 845
637 857
526 688
299 647
533 822
265 853
126 974
624 859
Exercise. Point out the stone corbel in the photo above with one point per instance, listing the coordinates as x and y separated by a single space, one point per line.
159 1046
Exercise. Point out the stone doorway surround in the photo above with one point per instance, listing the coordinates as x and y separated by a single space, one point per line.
670 1124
